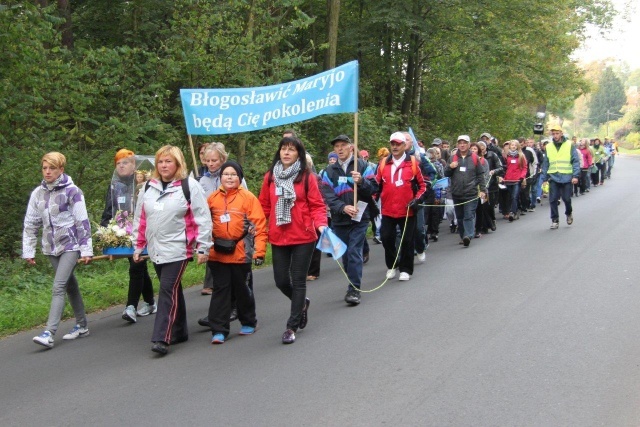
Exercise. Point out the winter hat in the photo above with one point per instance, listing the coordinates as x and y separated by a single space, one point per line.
333 155
235 166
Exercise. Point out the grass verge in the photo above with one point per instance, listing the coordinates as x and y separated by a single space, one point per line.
25 292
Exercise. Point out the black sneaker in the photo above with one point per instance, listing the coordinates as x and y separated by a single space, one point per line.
377 240
466 241
305 313
160 348
365 258
234 314
289 337
434 237
493 225
352 297
204 322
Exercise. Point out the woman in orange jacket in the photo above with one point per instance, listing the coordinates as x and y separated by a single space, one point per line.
239 237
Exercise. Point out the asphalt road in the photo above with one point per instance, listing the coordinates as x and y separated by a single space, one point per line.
526 327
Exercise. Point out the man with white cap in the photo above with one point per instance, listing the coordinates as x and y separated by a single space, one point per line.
401 187
467 175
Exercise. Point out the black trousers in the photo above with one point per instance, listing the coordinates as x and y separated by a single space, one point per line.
388 234
139 283
290 267
171 319
228 280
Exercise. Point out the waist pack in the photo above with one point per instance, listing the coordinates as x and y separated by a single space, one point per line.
225 246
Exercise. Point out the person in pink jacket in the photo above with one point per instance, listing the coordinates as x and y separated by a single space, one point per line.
587 162
514 177
295 209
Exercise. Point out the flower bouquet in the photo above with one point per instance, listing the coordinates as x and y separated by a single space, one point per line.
115 238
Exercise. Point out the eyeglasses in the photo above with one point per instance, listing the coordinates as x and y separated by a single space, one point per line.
230 175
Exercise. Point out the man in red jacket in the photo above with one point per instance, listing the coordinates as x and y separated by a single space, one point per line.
401 188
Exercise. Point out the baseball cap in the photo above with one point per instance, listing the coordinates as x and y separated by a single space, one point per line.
341 137
487 134
464 138
555 127
397 137
436 141
364 153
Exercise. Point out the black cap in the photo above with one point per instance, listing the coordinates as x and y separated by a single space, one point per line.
234 165
342 137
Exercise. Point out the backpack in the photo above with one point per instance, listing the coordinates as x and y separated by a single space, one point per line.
474 157
414 165
414 169
185 189
306 179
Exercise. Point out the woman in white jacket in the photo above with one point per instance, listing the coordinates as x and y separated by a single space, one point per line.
174 229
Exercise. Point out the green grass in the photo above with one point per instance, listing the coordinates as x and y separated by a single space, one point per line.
628 151
25 292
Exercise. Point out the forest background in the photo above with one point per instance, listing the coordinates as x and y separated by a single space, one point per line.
87 77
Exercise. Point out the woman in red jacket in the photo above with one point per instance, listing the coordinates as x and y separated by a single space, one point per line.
294 208
514 177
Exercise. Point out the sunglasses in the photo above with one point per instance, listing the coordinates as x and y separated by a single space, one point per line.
396 143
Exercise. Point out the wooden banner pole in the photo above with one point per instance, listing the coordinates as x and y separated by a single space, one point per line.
193 155
355 156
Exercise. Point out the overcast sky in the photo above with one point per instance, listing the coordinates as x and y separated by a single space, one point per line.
622 43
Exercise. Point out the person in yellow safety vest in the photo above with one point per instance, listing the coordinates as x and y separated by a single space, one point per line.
561 169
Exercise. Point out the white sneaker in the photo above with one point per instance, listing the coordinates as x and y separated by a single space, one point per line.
404 276
129 314
147 309
421 257
77 332
45 339
391 273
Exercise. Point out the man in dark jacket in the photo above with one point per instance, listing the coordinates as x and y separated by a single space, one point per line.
337 186
467 176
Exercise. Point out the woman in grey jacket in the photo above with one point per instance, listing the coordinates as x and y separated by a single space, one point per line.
57 206
175 227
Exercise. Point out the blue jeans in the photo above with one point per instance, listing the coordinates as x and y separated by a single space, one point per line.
514 193
556 191
420 244
466 212
534 191
353 235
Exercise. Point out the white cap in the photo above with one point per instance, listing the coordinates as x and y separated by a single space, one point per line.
398 137
464 138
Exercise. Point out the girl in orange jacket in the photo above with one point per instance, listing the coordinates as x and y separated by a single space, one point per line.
240 237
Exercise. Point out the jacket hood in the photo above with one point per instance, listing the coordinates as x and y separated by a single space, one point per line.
63 181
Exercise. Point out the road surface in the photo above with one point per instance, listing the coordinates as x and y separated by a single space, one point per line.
526 327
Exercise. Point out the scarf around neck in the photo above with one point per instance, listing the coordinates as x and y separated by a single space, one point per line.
283 179
513 152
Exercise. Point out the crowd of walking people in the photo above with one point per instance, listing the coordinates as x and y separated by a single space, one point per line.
212 217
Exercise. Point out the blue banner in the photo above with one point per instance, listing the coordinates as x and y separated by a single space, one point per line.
224 111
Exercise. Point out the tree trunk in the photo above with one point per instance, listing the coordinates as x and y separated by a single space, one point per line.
67 32
333 13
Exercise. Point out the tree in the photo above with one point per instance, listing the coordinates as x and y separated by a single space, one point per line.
608 99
